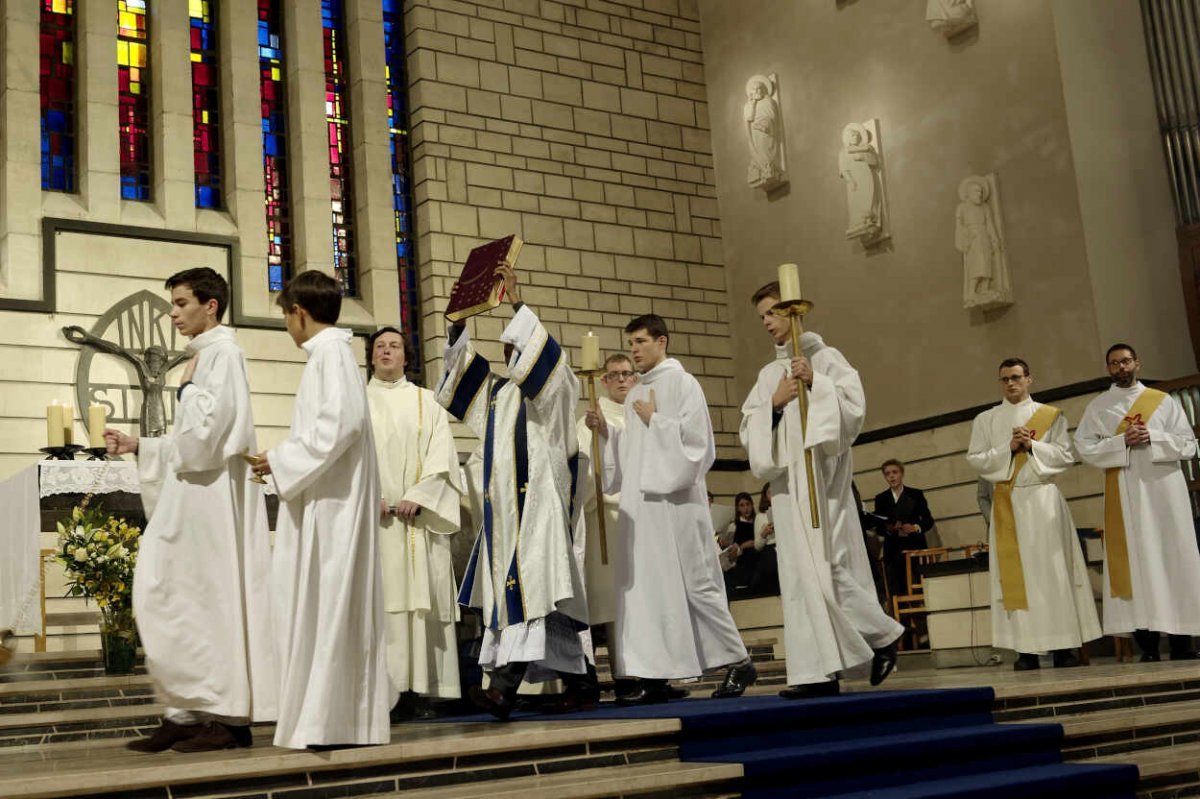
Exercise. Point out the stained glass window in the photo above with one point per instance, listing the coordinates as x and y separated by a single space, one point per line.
206 128
397 99
337 120
56 66
275 151
133 98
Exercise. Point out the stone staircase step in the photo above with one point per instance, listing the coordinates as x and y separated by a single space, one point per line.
24 730
1164 772
49 695
420 756
673 778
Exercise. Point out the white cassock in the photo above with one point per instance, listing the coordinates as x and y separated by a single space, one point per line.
522 574
200 588
325 575
837 410
673 619
819 638
598 576
1062 610
418 463
1164 564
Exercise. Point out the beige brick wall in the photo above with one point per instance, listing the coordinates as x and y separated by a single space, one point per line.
583 130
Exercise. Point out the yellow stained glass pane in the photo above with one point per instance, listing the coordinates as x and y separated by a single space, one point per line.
196 57
68 53
135 88
126 22
196 8
137 54
204 117
274 73
135 74
60 7
122 54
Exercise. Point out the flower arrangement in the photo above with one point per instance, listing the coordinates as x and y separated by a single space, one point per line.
98 552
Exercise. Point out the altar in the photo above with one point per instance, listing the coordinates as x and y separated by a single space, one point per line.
34 501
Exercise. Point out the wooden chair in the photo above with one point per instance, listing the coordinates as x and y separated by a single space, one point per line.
909 609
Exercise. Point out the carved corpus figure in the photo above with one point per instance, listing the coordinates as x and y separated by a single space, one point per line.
950 17
858 167
979 237
764 133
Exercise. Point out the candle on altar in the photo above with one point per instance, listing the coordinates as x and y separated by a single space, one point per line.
789 283
54 425
591 352
97 419
68 412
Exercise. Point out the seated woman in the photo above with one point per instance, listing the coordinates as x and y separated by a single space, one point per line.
739 538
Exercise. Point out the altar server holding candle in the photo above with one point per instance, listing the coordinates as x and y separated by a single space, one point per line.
200 586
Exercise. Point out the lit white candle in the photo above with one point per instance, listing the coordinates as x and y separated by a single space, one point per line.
68 415
54 425
591 352
789 283
97 419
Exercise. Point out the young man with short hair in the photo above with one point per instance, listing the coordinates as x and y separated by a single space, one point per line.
832 618
1041 595
1139 435
200 589
328 593
672 616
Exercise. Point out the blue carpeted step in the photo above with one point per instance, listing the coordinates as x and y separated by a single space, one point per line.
1035 782
892 756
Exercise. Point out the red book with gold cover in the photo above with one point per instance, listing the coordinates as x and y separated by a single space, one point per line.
478 288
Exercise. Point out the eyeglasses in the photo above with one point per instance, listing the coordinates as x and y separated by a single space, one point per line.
614 376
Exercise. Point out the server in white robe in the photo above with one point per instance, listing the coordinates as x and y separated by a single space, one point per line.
599 577
1139 436
326 581
200 586
673 619
522 574
826 585
1041 595
422 485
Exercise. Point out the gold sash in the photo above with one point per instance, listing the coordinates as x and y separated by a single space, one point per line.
1008 552
1116 549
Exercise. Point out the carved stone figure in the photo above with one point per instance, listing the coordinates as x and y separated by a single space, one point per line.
950 17
858 167
978 235
764 133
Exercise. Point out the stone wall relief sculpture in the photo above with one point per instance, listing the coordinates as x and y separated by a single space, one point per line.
764 133
951 17
860 166
979 236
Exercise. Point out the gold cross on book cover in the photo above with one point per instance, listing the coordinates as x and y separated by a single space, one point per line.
479 288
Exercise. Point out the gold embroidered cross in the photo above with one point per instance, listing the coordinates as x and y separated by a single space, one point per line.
511 584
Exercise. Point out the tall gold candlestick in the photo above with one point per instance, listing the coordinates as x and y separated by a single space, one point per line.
795 311
589 376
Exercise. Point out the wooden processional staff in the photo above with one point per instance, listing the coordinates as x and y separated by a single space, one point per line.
590 371
793 306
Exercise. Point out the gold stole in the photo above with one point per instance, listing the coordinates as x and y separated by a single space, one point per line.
1008 551
1116 549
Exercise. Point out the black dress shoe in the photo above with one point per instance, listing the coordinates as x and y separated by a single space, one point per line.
883 663
492 701
812 690
738 678
214 737
1150 657
674 692
1026 662
623 686
167 735
648 693
1066 659
585 697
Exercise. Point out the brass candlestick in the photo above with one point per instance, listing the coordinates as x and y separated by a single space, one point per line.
795 311
589 378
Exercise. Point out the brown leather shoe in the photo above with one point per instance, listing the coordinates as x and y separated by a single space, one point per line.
584 698
215 736
492 701
167 735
